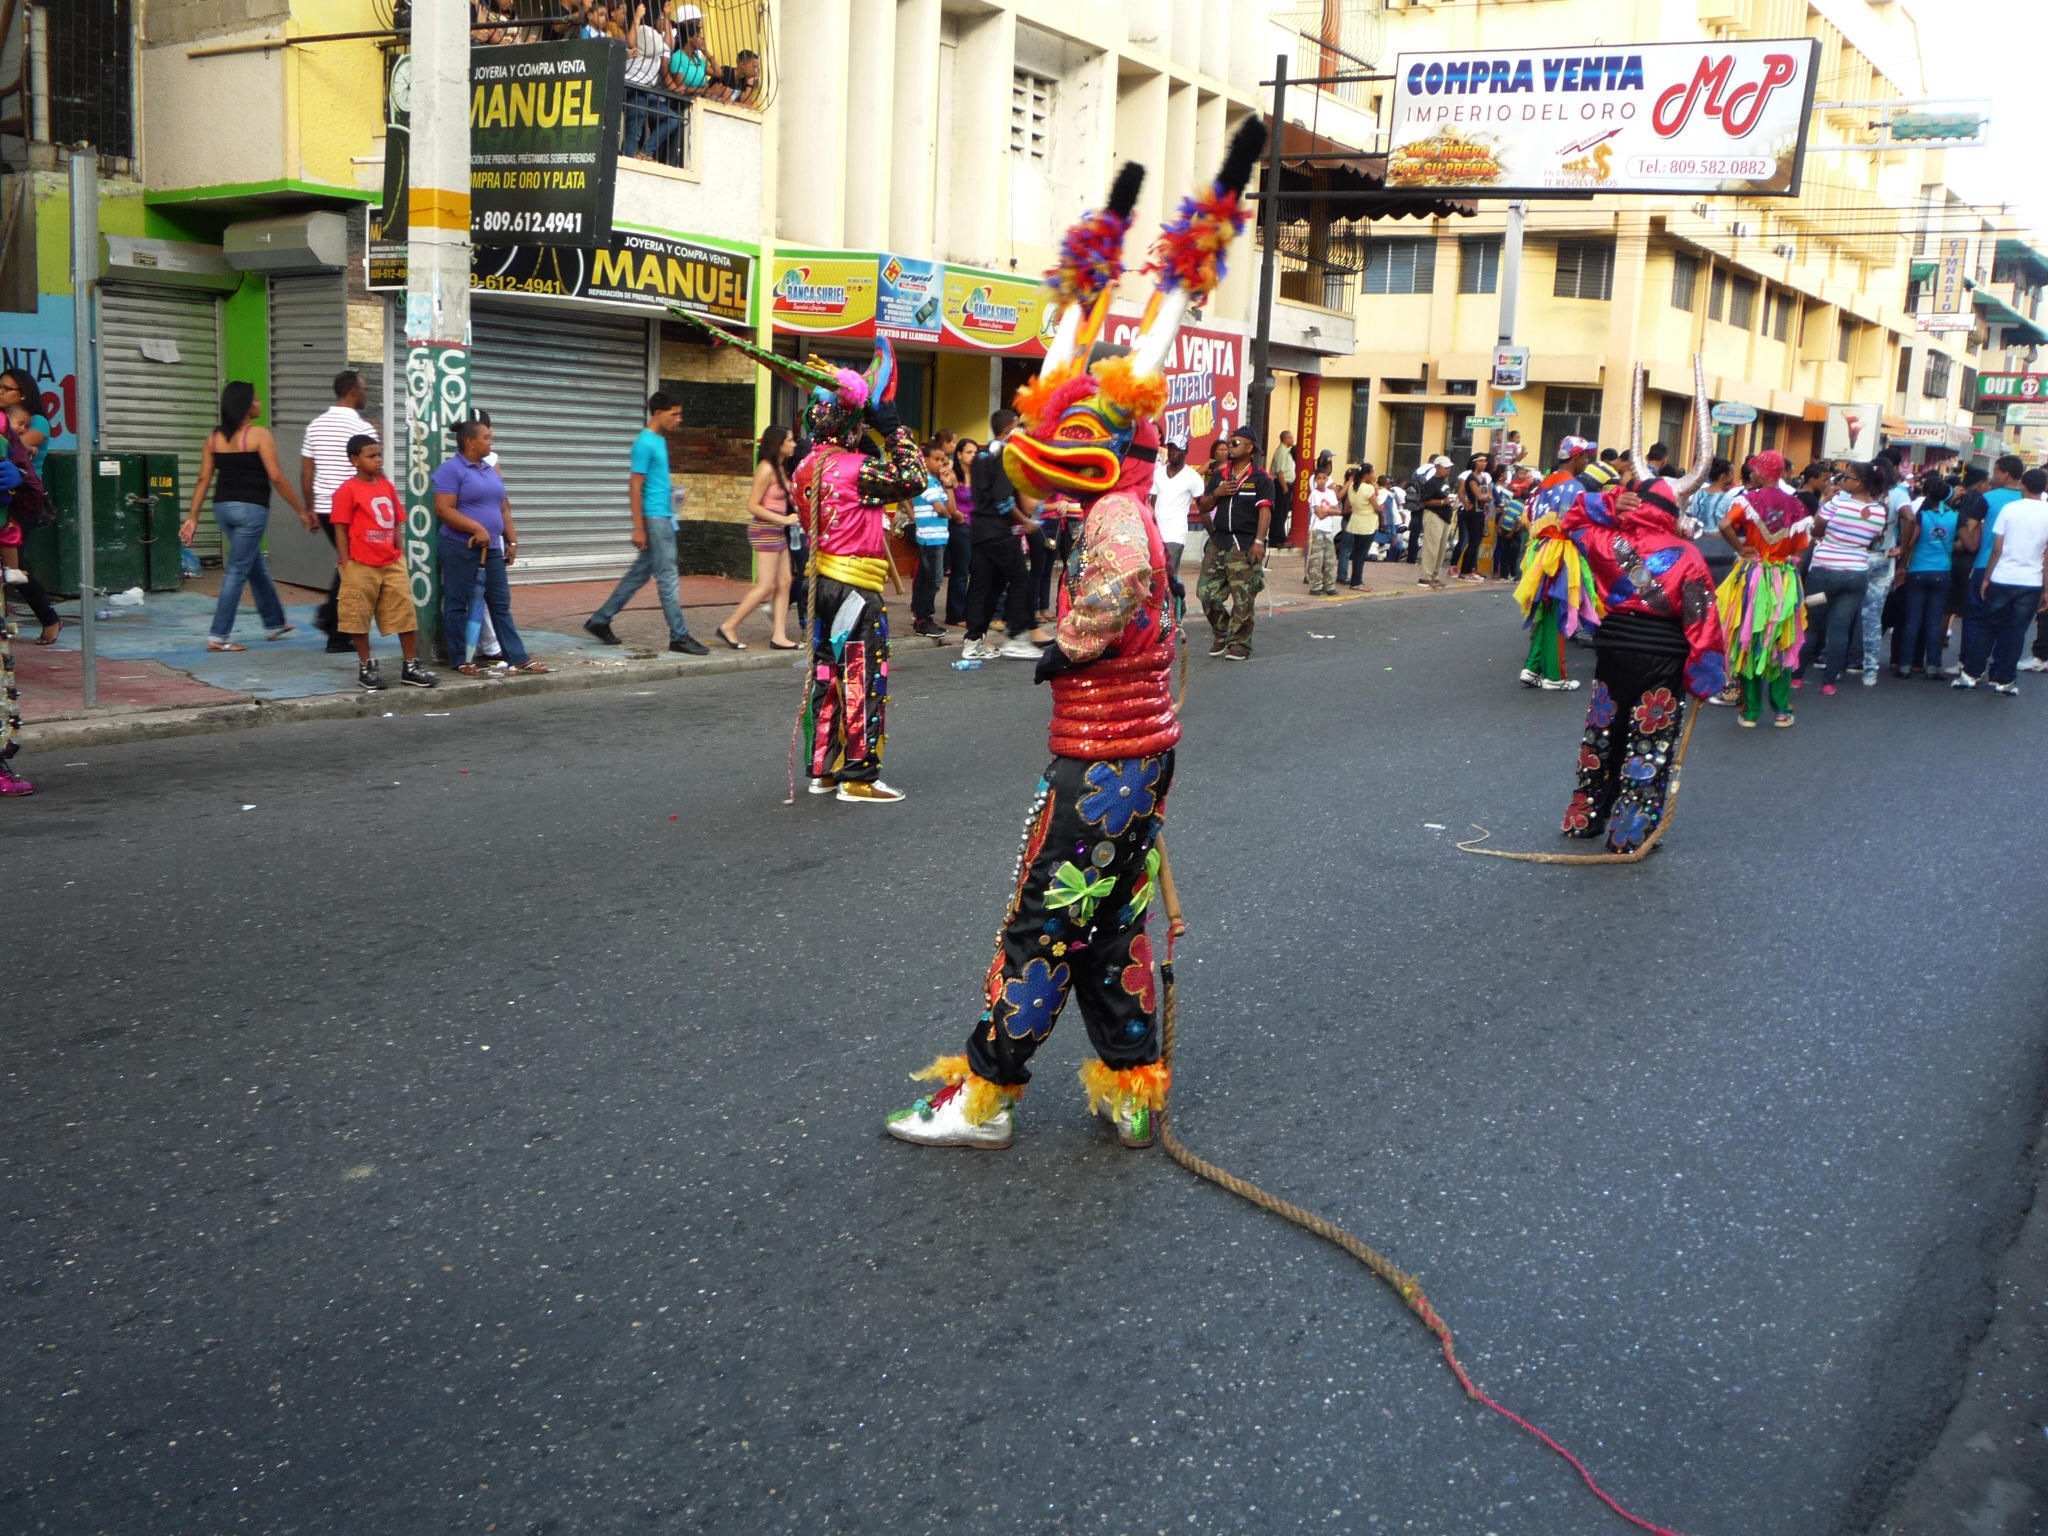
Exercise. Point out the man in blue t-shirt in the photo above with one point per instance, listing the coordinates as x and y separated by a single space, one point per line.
2005 490
654 532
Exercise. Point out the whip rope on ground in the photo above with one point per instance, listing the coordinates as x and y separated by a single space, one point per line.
1635 856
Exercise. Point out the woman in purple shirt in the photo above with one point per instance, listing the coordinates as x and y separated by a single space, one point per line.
478 542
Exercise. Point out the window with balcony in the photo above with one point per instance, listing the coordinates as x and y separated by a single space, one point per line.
1742 302
1671 415
1685 281
1934 381
1717 294
1031 107
1585 269
1400 266
1479 263
1913 296
1968 400
91 76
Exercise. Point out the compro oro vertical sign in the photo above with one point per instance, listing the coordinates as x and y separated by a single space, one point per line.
1632 117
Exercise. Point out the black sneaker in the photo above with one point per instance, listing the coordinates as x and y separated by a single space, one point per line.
687 645
602 631
367 677
1238 653
417 676
1216 646
340 645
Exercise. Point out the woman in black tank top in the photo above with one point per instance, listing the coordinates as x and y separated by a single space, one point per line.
244 456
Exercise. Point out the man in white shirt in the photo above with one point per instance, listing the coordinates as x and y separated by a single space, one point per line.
1175 485
323 466
2015 580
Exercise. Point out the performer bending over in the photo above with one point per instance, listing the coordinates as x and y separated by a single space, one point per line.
1087 870
1762 604
1660 640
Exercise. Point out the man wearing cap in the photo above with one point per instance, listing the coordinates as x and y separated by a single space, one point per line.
1436 493
1239 509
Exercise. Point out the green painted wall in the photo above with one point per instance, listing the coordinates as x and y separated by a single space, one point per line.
245 335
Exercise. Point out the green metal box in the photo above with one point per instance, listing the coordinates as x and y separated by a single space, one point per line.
135 524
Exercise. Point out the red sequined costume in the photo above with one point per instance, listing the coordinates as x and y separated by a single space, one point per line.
1659 641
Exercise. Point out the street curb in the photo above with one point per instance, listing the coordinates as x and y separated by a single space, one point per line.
454 693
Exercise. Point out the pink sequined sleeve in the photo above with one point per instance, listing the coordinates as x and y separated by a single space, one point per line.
1116 573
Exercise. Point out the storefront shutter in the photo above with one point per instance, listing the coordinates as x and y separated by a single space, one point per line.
566 394
166 402
308 347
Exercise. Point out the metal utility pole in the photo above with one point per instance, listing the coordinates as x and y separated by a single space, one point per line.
1269 235
1510 289
85 271
437 279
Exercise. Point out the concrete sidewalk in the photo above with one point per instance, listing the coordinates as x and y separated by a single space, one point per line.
156 677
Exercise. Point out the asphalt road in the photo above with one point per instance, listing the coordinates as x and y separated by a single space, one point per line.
472 1123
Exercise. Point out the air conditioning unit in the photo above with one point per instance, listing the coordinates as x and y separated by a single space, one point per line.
1738 229
296 242
1786 252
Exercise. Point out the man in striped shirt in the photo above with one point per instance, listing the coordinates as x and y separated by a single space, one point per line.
323 467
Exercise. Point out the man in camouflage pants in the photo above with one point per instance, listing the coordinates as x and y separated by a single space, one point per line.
1238 508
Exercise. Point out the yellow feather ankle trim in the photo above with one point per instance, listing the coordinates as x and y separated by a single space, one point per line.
984 1099
1148 1085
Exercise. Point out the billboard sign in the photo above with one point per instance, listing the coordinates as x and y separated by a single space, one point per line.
1723 118
633 268
1733 413
2012 386
1204 383
907 301
1951 267
1851 432
824 293
989 312
1510 367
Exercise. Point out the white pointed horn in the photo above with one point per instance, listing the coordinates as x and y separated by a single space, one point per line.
1635 425
1066 337
1149 352
1703 451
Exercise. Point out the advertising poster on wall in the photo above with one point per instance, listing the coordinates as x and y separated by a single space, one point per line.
908 300
1707 117
823 293
43 347
993 313
1204 383
1851 432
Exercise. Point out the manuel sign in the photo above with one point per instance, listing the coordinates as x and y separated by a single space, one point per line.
1635 117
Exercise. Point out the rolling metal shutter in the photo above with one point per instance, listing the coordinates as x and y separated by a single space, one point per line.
566 394
308 347
166 403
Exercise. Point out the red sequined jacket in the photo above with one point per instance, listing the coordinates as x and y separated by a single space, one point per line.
1117 701
1644 565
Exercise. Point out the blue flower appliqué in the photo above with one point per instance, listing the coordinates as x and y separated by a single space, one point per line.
1638 770
1600 711
1627 831
1034 999
1123 792
1624 589
1708 675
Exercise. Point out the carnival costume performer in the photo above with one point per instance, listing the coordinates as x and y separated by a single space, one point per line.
1087 870
843 496
11 783
1762 603
1557 594
1659 641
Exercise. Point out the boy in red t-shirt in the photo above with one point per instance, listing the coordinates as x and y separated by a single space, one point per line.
367 515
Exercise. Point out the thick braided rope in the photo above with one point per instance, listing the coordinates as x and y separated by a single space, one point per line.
1636 856
807 664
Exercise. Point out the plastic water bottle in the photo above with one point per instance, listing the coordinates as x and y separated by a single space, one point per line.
966 666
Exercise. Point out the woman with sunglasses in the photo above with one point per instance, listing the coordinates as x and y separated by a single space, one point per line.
1848 524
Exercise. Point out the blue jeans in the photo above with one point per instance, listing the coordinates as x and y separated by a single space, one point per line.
650 123
242 524
1873 616
2007 613
658 560
458 585
1845 591
1926 622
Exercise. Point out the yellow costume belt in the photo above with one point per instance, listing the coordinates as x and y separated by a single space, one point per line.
868 572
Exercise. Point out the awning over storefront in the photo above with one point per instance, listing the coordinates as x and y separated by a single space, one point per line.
1998 312
1930 434
1921 272
1355 182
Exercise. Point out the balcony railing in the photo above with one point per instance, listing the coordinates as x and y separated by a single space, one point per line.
659 127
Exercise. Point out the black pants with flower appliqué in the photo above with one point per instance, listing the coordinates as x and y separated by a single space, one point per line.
1632 725
1087 878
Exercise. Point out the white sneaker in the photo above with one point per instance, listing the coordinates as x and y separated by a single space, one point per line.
1558 685
2010 690
1963 680
1870 679
823 786
1021 650
941 1121
1530 679
2034 664
874 792
979 650
14 578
